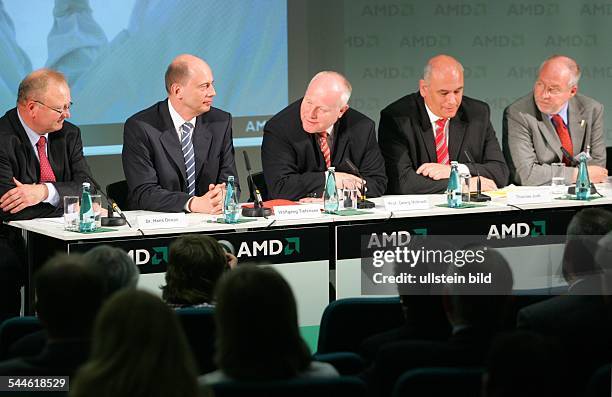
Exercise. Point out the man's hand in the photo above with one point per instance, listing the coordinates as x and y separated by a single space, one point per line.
597 174
23 196
211 202
486 184
341 177
434 171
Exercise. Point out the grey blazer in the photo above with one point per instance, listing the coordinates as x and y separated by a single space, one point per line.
530 141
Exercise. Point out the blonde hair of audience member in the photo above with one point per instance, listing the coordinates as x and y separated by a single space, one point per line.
139 349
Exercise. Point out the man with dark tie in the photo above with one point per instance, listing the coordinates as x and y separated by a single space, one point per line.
421 133
551 117
178 154
41 161
316 132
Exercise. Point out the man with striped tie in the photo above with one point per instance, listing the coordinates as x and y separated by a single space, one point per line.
178 154
421 133
316 132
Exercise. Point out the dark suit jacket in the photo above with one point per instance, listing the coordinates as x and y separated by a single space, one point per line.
17 159
407 141
153 161
294 166
62 357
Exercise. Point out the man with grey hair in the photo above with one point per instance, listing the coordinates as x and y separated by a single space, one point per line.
421 133
114 266
551 119
318 131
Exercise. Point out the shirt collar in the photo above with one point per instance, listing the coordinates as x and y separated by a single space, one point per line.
34 137
433 118
562 113
177 120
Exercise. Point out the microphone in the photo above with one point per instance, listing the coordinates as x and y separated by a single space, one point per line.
571 190
258 209
569 157
111 220
478 196
362 202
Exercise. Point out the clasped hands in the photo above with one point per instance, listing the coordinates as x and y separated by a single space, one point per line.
211 202
23 196
437 171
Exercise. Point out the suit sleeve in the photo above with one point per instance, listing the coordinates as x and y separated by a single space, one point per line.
598 140
79 170
283 178
372 166
401 169
492 164
145 193
227 163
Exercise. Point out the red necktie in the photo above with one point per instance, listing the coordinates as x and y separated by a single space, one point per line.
46 172
325 148
441 146
564 136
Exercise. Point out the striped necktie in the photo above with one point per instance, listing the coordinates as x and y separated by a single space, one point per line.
325 148
189 156
441 146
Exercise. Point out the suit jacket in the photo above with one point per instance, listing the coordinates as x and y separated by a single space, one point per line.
153 160
294 166
17 159
531 142
62 357
407 141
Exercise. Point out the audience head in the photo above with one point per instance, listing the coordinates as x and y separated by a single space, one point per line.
68 296
524 364
190 86
325 101
257 326
583 233
557 82
442 85
603 257
114 267
195 263
139 349
44 100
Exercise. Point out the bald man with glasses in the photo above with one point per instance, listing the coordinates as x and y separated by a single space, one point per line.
41 161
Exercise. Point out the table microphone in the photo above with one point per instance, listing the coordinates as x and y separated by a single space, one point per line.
478 196
571 190
258 209
362 202
111 220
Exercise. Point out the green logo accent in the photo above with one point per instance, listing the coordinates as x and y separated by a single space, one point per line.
293 245
156 260
420 232
538 229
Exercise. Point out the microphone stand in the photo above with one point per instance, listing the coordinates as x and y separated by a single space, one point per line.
258 209
362 202
112 207
477 197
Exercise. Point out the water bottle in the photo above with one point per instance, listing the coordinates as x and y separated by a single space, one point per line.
453 191
230 204
583 183
330 194
87 217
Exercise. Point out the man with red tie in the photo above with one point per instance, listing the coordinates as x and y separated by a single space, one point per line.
41 161
421 133
318 131
551 120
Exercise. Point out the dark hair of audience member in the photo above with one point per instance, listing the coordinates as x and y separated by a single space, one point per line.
257 326
525 364
583 233
68 296
195 263
114 266
139 349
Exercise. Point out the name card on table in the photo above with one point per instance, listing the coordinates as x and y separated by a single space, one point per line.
162 221
529 196
302 211
406 203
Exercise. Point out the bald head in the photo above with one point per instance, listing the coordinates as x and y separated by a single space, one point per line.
564 65
189 83
332 82
442 64
325 101
181 68
36 84
556 84
442 86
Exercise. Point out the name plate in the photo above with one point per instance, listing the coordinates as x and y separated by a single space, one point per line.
407 203
529 196
302 211
162 221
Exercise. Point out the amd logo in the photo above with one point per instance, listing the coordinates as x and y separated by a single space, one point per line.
517 230
269 247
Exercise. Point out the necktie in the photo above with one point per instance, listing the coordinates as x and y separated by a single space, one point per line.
46 172
325 148
441 146
189 156
564 136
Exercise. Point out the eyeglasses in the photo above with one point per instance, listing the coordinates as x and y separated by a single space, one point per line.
58 111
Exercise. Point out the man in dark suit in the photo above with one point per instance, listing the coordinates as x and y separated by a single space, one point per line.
318 131
422 132
178 154
41 160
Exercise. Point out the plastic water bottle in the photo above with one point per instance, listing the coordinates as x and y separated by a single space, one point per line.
87 217
583 183
453 191
230 205
330 194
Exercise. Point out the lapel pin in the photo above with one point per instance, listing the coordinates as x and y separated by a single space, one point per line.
582 123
